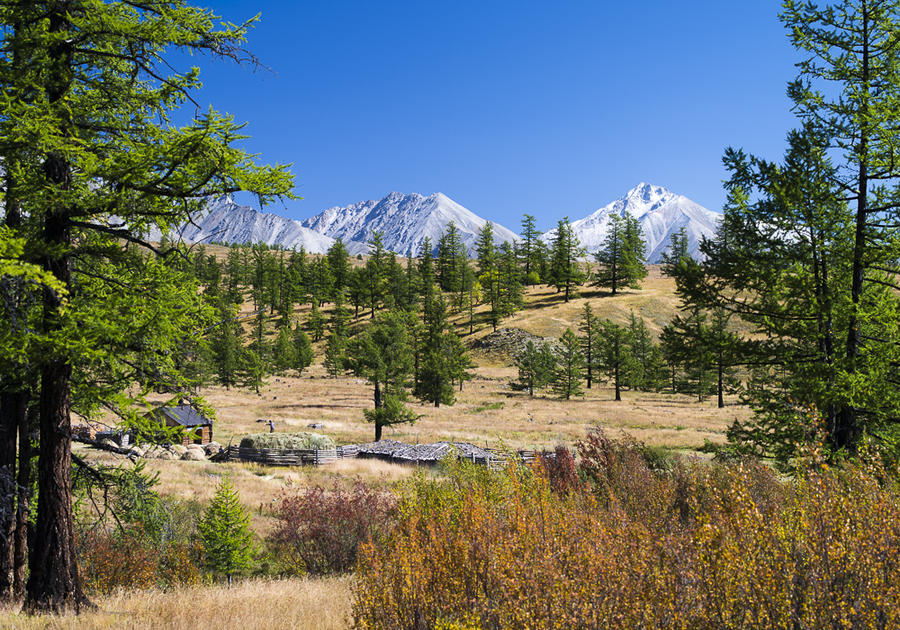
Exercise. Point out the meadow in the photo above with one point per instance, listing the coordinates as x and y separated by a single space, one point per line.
487 412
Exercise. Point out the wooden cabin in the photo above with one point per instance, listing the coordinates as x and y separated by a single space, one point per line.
197 427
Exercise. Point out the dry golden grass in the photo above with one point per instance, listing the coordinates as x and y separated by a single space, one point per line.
316 604
547 314
487 411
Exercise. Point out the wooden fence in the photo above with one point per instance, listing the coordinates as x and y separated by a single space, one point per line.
317 457
281 457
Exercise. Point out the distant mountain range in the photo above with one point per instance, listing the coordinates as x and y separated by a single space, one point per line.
405 220
224 221
660 212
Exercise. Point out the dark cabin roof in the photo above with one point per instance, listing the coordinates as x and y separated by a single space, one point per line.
183 415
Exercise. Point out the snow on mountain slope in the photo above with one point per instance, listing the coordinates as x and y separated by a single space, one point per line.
227 222
661 214
405 221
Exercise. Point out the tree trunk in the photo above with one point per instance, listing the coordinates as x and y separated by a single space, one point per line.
378 404
54 585
12 406
844 432
23 483
618 389
721 385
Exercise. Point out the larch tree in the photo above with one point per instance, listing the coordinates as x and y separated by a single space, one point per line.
569 370
566 271
225 533
536 365
612 353
587 326
383 354
621 261
87 95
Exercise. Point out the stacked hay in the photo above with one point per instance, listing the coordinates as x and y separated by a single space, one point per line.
287 441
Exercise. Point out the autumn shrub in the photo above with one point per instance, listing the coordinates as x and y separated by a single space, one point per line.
319 529
109 560
128 535
560 470
698 546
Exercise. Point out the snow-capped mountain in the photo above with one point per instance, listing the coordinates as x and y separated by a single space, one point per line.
227 222
405 221
661 214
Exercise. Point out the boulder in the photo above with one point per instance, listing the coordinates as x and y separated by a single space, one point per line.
194 455
178 449
166 455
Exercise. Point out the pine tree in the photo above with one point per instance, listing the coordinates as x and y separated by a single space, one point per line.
434 376
569 366
335 355
284 354
253 369
458 360
566 271
647 368
383 354
92 85
339 266
339 317
303 352
510 282
356 291
448 254
676 253
529 251
686 339
376 273
612 353
225 533
536 365
588 329
413 283
621 260
315 323
227 345
486 249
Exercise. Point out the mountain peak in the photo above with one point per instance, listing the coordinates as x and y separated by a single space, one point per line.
660 213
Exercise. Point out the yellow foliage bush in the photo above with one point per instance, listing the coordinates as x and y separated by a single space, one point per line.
695 546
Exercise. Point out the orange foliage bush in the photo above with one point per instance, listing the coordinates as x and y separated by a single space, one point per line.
695 547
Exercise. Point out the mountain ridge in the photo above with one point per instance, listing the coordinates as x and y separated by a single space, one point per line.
405 220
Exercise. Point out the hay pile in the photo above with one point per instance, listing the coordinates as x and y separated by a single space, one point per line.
287 441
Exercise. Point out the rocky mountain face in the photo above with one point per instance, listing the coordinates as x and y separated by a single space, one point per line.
661 214
405 220
227 222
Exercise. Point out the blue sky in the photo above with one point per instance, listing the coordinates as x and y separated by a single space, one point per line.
551 108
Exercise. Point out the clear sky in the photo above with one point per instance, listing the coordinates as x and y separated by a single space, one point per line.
552 108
